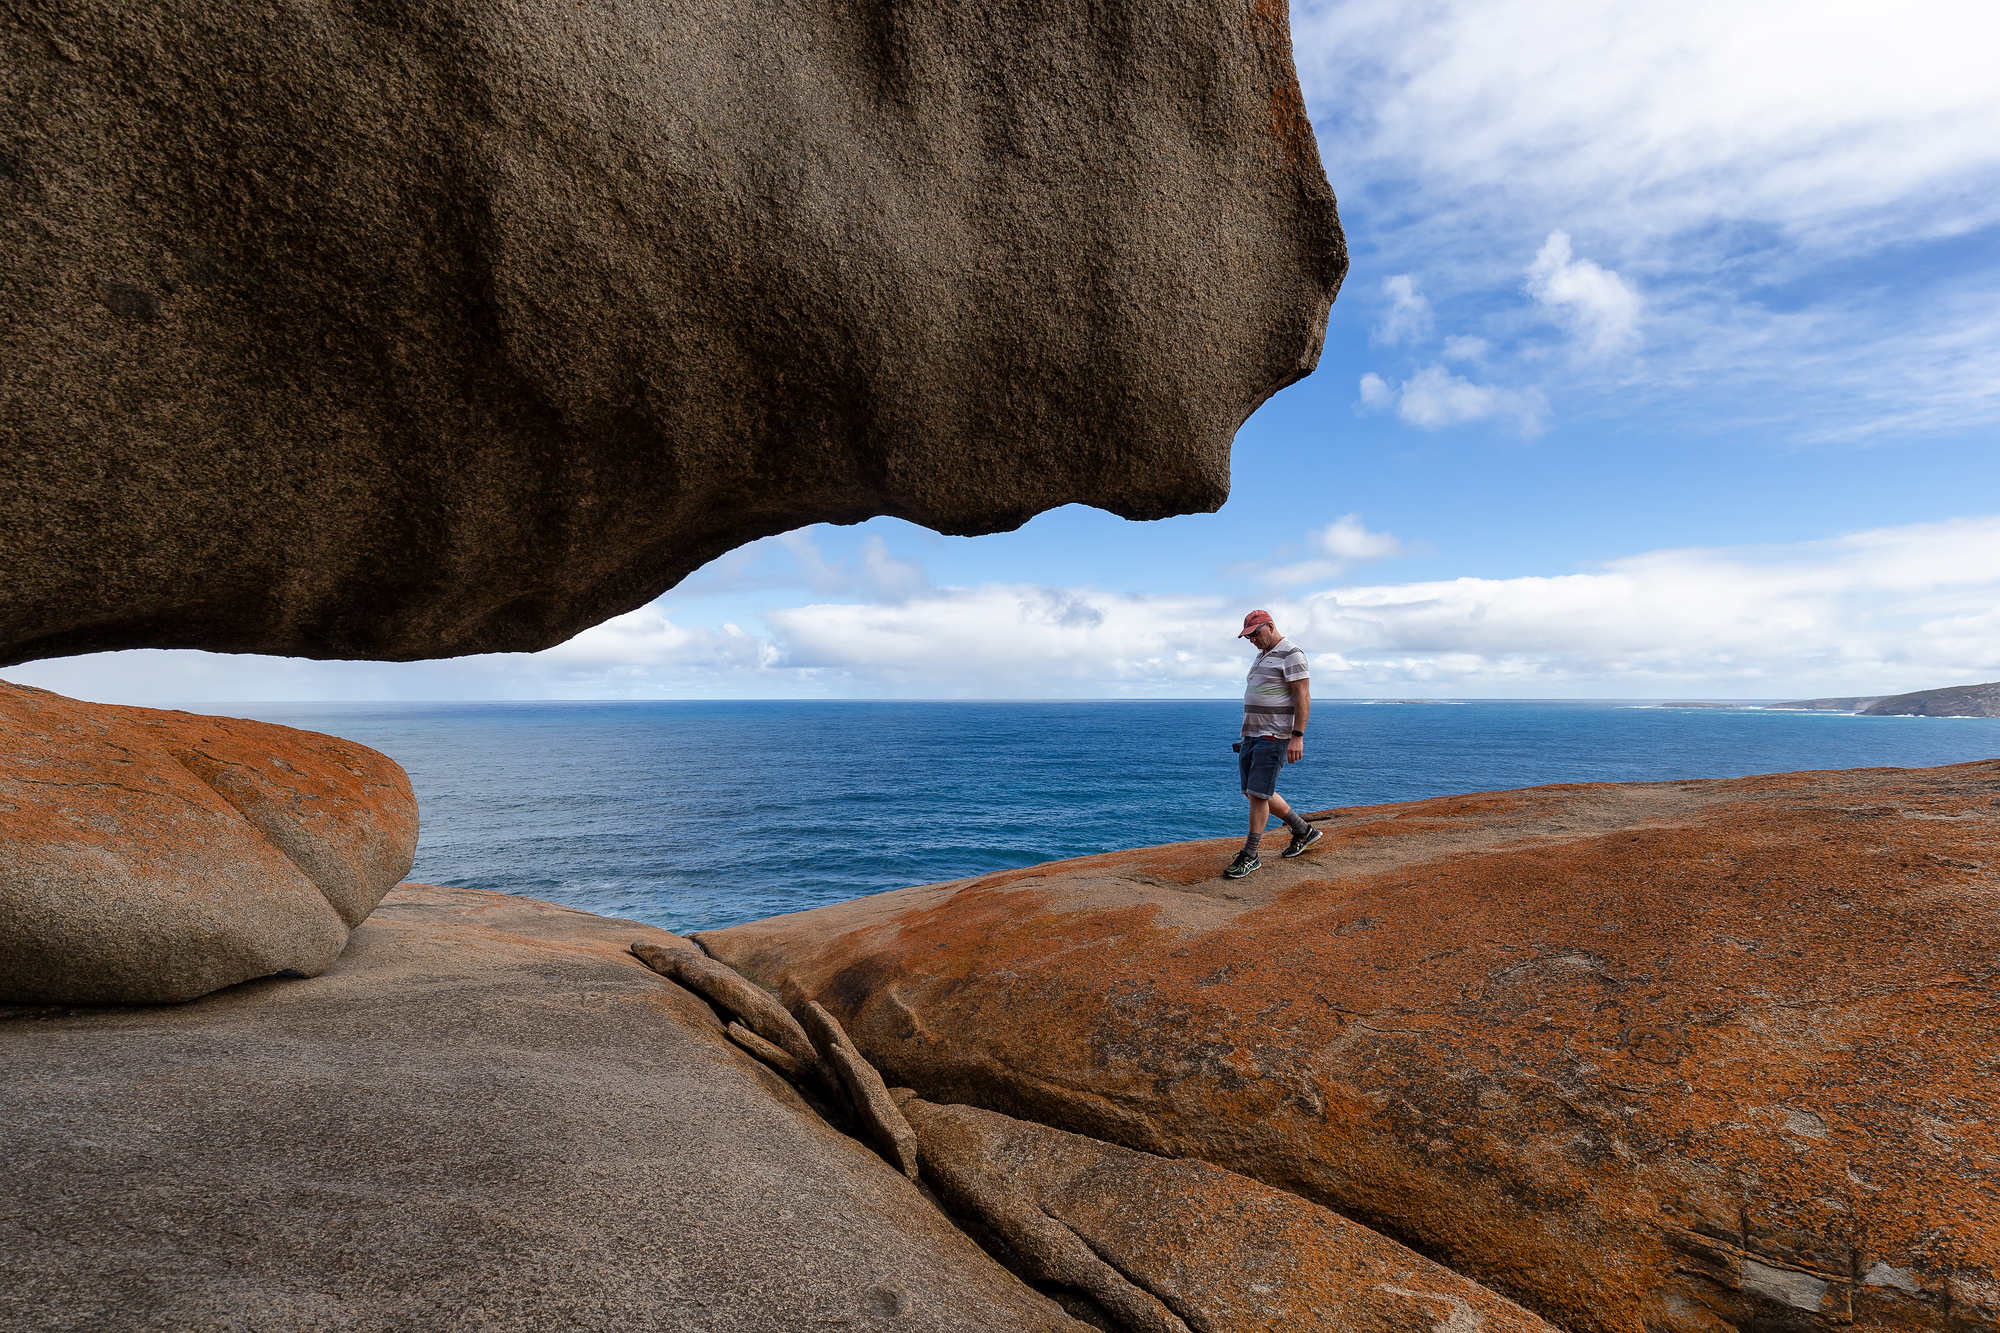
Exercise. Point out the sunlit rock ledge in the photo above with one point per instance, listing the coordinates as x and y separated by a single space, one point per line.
1687 1056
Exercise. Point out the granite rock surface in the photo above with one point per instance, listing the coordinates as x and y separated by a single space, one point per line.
149 856
486 1115
412 328
1645 1058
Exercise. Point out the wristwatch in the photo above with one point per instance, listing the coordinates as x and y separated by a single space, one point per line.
1297 732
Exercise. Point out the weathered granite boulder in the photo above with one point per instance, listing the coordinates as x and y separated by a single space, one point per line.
409 328
486 1115
150 856
1184 1245
1660 1057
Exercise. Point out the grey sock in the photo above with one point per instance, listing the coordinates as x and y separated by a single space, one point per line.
1297 825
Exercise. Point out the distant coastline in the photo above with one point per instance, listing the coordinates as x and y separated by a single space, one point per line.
1949 701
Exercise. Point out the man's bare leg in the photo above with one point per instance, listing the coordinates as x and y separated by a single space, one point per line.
1261 810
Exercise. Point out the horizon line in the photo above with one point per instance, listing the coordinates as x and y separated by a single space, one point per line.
1034 699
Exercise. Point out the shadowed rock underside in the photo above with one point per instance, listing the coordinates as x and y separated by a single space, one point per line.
413 328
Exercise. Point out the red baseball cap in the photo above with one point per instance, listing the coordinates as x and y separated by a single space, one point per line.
1252 621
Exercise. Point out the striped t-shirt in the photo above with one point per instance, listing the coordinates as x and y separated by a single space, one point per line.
1267 696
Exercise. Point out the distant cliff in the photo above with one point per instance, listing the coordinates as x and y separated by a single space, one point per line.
1952 701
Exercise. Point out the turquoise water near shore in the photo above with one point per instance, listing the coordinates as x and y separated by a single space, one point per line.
698 814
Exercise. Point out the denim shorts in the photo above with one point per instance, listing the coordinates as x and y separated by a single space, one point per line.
1259 761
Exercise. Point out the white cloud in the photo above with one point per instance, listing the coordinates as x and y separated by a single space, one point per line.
797 559
641 654
1882 610
1376 395
1600 308
647 638
1434 398
1655 116
1879 611
892 577
1338 547
1346 538
1004 640
1409 316
1768 175
1466 349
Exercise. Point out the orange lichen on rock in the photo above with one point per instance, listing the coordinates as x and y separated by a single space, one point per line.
1687 1056
154 856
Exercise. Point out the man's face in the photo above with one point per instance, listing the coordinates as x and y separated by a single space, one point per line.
1264 636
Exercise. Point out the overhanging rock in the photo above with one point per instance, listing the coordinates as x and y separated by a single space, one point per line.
412 328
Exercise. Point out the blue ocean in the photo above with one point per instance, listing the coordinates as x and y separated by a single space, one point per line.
692 815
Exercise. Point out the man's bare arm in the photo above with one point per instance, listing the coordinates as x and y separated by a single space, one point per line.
1302 705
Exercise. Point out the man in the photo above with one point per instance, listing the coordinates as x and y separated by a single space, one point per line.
1277 699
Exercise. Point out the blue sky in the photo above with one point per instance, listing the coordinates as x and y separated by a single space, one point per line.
1669 365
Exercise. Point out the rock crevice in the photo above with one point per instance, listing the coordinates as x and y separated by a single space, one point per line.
1128 1241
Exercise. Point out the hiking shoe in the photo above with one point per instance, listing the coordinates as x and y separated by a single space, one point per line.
1241 866
1301 841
